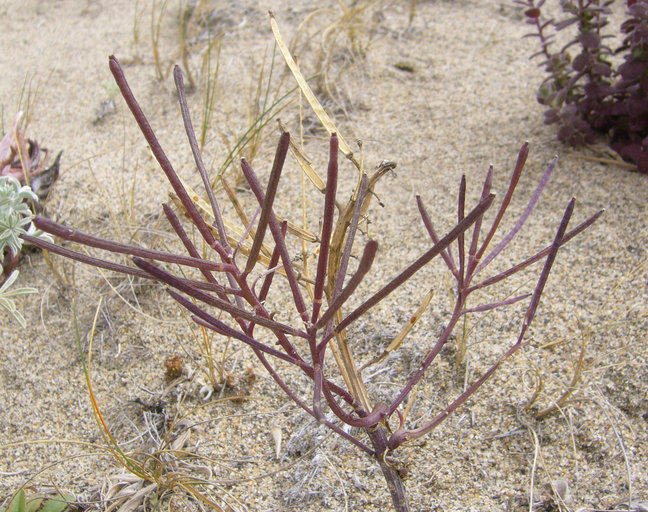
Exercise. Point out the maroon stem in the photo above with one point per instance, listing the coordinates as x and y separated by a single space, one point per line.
393 478
274 259
366 420
515 177
520 222
161 157
223 305
431 355
401 435
472 252
537 257
327 229
445 254
275 229
193 143
300 403
266 205
364 266
461 212
73 235
189 246
423 260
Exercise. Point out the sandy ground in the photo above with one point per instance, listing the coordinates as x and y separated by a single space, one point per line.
450 94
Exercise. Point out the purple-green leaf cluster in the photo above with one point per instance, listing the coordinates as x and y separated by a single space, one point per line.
587 95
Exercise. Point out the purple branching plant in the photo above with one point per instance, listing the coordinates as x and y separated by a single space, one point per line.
234 288
586 93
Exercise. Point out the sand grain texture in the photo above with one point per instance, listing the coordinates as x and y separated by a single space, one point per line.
451 94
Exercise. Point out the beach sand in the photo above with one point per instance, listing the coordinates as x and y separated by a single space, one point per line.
448 94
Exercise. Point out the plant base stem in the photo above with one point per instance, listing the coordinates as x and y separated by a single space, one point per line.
393 478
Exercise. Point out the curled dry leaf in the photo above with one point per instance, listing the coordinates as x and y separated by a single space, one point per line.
25 160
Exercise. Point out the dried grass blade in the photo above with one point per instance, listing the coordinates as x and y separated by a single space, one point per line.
306 90
304 162
381 170
240 212
111 444
579 367
398 340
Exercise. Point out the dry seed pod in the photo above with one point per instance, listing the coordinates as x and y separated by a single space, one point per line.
275 431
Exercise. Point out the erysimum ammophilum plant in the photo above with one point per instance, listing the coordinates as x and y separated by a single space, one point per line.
338 397
587 93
